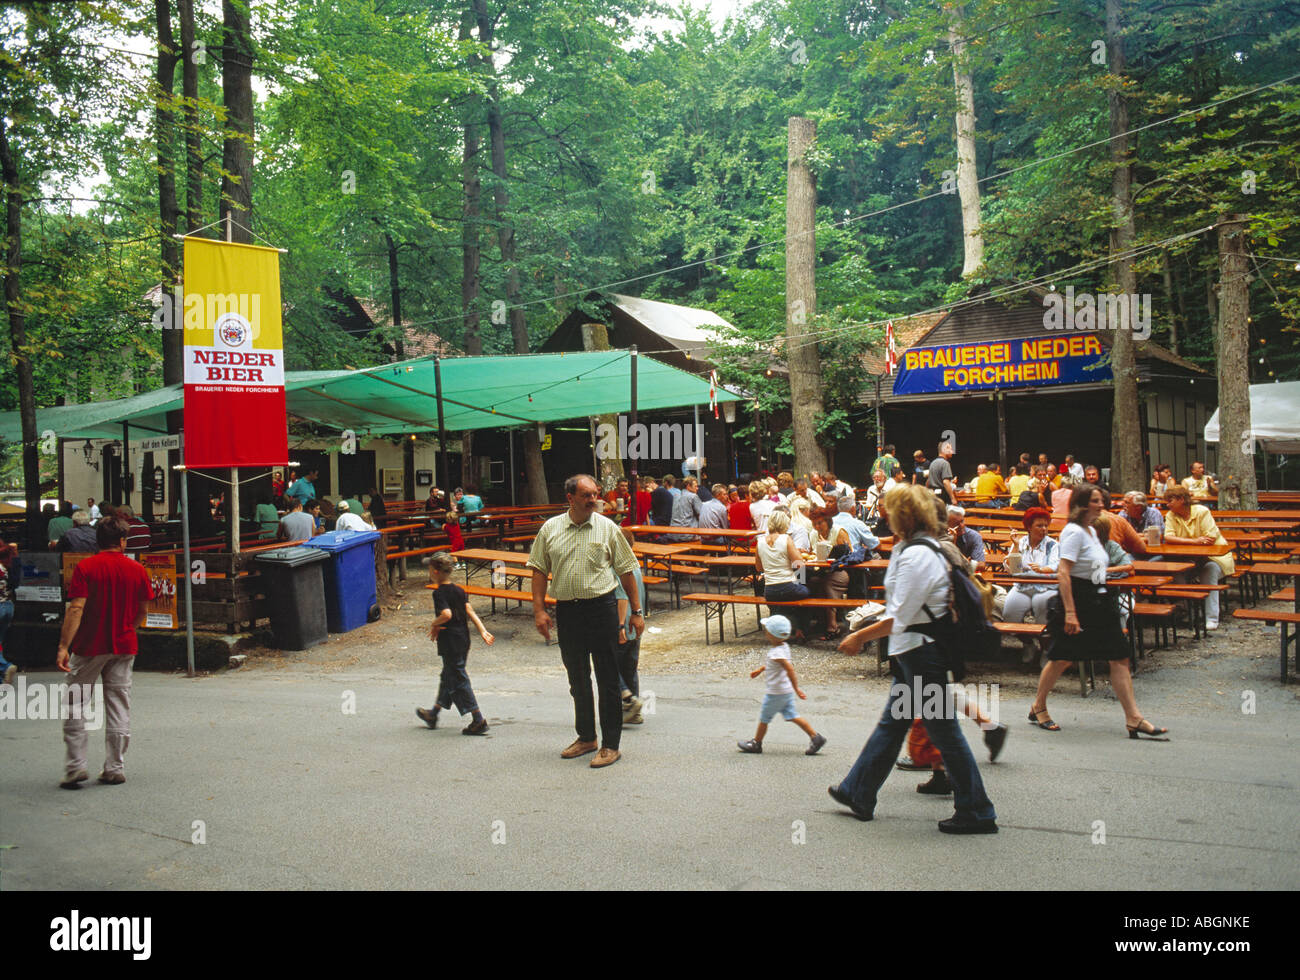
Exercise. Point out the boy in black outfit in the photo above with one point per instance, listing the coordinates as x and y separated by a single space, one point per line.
450 630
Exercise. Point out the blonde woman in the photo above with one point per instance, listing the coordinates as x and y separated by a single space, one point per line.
917 592
779 562
759 506
801 527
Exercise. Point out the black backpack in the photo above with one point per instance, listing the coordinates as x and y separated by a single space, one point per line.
966 629
1026 500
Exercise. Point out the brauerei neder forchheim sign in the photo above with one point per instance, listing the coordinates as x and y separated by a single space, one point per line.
234 356
1028 363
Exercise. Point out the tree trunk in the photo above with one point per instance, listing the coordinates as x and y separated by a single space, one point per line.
18 336
806 404
173 340
1237 487
1171 297
395 298
534 466
968 188
595 336
190 113
237 146
472 189
1127 470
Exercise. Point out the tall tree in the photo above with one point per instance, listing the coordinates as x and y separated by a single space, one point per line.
165 139
1126 463
237 95
806 405
968 188
534 467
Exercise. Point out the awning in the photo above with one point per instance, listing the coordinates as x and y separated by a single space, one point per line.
478 393
1274 418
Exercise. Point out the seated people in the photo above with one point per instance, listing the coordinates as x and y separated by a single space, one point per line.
760 507
1019 481
1139 515
715 514
1189 523
297 524
830 583
1061 497
1162 478
780 564
1199 484
989 487
349 521
738 509
686 510
967 539
1039 555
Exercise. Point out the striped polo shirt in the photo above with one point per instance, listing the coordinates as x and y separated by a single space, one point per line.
584 560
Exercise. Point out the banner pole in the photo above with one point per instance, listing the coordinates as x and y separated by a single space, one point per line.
189 595
632 457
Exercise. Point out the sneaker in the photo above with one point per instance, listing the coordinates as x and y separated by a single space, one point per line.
817 742
752 746
843 800
112 778
1211 624
938 784
635 719
606 757
430 718
907 765
10 672
479 727
994 739
963 824
73 780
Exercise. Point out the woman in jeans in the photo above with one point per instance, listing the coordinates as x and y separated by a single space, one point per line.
778 561
1085 621
917 594
9 577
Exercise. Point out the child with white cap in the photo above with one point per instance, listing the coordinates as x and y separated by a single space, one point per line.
782 686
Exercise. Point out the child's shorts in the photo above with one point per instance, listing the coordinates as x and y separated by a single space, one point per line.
778 704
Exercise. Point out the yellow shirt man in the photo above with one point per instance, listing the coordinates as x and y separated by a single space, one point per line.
989 485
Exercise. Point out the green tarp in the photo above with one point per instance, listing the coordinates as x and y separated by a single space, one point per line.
478 393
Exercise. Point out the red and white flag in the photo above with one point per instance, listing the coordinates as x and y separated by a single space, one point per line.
891 355
713 392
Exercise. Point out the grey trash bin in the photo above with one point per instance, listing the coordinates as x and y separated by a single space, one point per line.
295 596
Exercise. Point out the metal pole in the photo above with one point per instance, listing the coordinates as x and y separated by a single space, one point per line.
699 444
512 468
126 464
185 551
880 432
442 430
232 510
632 427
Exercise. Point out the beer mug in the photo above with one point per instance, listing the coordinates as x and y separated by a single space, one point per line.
1153 535
1013 563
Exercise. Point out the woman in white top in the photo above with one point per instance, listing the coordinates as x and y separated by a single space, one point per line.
917 593
778 560
1084 621
1039 555
759 505
801 527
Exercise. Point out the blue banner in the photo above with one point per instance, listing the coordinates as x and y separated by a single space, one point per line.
1002 364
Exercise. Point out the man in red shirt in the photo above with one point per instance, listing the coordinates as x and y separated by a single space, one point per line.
105 606
648 486
140 537
738 511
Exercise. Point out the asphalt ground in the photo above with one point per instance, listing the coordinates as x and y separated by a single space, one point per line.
260 779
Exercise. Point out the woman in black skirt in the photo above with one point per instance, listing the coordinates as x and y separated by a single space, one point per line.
1083 621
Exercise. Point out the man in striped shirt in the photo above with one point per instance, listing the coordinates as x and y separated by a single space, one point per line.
586 556
140 537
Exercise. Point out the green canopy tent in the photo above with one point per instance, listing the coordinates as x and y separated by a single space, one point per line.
427 394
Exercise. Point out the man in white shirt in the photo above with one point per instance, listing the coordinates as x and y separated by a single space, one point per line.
349 521
802 488
1076 469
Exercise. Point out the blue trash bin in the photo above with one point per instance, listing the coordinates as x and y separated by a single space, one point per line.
351 599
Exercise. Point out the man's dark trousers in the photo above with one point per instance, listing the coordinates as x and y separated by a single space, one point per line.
588 633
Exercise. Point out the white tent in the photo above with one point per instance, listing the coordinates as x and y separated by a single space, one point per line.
1274 418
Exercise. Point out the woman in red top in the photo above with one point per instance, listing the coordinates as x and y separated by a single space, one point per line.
648 486
738 511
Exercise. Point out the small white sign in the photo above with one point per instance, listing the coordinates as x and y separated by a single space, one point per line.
40 593
157 443
157 621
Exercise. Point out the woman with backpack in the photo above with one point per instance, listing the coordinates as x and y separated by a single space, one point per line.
918 592
1083 620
